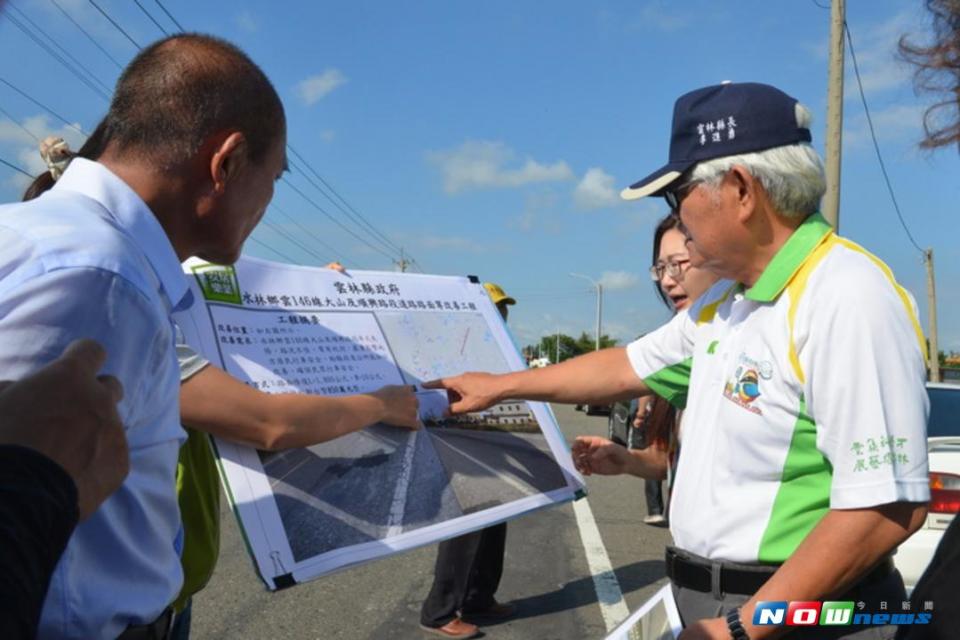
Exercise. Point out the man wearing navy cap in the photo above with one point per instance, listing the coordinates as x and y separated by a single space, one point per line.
803 461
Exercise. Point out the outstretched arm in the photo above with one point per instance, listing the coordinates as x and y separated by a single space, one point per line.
215 402
595 378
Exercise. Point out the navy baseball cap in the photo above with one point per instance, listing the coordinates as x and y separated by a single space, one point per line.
723 120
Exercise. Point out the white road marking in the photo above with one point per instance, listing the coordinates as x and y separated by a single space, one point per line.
399 505
613 608
306 459
524 488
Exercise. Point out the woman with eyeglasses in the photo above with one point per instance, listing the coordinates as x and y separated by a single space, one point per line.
678 284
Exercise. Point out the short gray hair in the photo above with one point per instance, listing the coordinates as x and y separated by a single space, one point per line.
792 175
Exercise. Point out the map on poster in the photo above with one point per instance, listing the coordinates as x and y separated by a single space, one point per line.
307 512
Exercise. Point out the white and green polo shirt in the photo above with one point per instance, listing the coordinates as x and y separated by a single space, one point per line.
803 393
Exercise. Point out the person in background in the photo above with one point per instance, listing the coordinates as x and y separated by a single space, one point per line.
62 453
468 568
182 165
678 284
938 71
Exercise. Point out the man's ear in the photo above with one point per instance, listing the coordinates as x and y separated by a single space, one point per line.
746 186
228 157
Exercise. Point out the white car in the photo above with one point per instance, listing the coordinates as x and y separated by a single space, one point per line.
943 444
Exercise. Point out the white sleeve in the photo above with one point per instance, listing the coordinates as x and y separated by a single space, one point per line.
864 388
662 358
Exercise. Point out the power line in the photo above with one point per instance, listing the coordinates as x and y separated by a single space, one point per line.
174 20
295 166
334 252
269 248
373 229
15 168
62 49
44 107
876 145
292 240
152 19
334 220
56 56
113 22
13 120
86 33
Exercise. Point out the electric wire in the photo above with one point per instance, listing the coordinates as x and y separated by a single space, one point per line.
44 107
298 168
11 118
56 56
114 23
269 248
87 33
366 222
312 235
15 168
152 19
169 15
334 220
292 240
876 144
107 90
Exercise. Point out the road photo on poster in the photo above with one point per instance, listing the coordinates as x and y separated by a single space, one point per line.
307 512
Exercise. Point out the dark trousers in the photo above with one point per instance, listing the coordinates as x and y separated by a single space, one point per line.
654 492
466 575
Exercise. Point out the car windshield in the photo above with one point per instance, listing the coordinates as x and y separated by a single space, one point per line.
944 412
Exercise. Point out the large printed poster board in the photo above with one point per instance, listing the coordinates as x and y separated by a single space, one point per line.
307 512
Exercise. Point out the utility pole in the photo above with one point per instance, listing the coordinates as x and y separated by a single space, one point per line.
932 312
557 361
834 142
403 263
599 303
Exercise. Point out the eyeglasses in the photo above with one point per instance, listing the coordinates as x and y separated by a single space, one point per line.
676 195
674 269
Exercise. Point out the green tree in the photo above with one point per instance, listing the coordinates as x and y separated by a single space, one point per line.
569 347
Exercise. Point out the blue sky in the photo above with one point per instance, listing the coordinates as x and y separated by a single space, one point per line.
493 138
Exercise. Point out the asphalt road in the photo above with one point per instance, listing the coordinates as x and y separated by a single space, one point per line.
546 575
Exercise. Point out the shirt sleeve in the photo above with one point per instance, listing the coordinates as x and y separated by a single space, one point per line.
191 363
42 315
38 512
864 371
662 358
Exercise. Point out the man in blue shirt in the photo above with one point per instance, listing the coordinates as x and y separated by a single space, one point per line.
183 164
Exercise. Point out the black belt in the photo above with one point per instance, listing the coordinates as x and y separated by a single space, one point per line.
697 574
159 629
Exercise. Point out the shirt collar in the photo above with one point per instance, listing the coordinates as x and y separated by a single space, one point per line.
131 214
790 258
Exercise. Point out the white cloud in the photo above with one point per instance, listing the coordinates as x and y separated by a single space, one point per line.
596 191
479 164
895 123
881 69
315 88
246 21
617 280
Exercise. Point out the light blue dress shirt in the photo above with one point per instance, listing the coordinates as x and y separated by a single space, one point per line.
88 259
